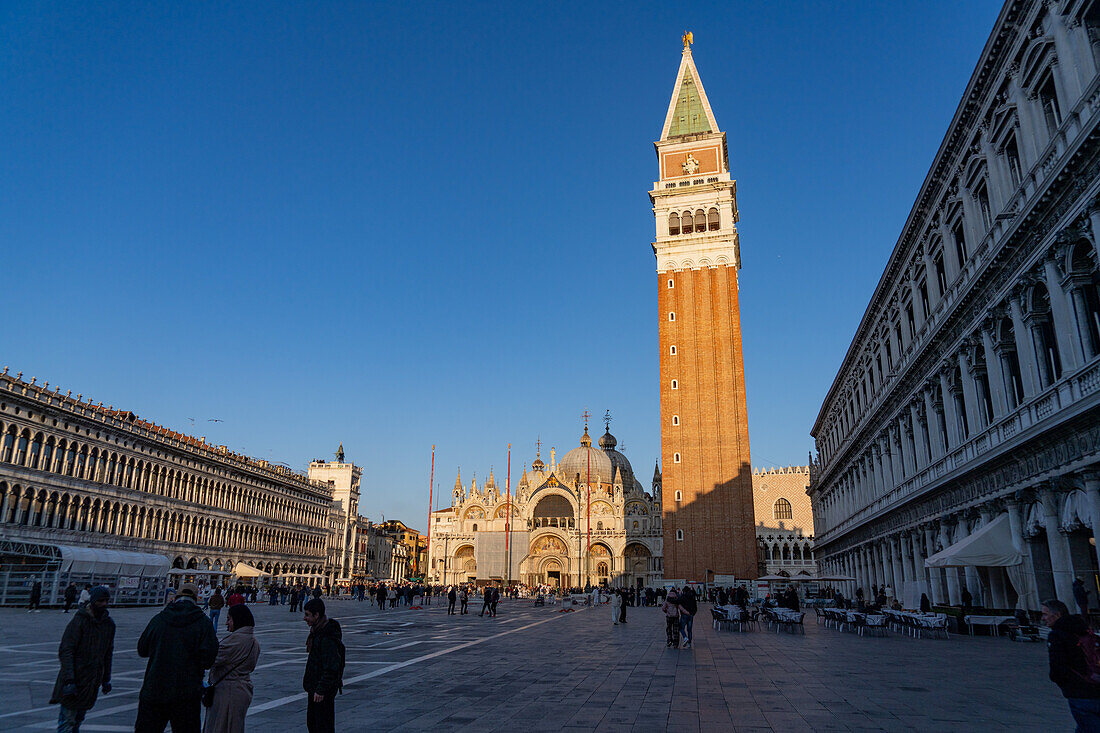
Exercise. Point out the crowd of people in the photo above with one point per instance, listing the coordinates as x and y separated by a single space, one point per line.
188 667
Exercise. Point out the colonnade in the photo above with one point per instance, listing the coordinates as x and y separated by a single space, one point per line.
1049 525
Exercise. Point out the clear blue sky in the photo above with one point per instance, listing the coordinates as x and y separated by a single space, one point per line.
395 225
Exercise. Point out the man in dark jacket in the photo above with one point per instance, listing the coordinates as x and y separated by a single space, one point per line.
688 608
180 643
1081 597
85 653
1068 668
70 596
36 596
452 596
622 606
324 668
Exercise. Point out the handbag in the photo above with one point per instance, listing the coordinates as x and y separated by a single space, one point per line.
208 691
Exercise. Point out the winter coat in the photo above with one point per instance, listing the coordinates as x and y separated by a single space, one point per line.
216 602
325 664
1068 668
70 594
688 603
616 600
180 643
85 653
670 609
231 677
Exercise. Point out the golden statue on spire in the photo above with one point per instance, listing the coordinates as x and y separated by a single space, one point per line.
687 38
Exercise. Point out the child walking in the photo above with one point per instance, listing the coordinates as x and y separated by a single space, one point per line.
672 619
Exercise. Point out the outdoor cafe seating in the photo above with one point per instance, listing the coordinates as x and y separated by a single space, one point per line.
733 616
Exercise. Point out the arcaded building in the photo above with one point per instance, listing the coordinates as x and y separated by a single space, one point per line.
959 443
784 521
583 520
707 491
77 474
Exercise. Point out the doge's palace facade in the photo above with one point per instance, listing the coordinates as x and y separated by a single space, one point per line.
969 400
77 474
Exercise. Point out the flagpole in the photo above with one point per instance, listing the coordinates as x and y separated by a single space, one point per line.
508 522
428 546
588 506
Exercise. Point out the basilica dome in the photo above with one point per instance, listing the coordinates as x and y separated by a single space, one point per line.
583 459
618 460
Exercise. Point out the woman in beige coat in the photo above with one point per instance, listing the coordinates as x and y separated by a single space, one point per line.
231 674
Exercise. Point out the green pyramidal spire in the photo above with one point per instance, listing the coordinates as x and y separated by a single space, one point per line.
689 117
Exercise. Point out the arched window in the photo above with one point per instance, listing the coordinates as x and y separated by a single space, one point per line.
675 457
679 535
679 495
782 509
675 419
712 220
700 221
673 223
685 222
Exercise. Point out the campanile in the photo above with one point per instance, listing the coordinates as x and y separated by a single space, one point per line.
707 479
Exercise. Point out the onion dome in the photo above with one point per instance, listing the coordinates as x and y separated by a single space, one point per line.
618 460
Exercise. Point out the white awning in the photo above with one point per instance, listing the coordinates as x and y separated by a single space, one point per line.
112 562
989 546
244 570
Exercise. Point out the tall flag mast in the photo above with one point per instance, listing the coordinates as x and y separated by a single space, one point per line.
508 521
588 506
428 545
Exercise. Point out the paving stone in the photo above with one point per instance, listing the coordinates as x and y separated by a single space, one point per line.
551 671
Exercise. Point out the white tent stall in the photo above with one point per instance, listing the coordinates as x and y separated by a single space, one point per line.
989 546
134 578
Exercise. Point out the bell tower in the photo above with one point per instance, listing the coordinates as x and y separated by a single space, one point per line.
706 485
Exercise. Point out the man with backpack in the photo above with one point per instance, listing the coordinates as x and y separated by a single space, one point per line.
1074 663
324 668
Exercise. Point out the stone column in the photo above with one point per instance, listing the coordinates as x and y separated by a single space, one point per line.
1025 351
935 575
1069 348
953 438
970 395
883 563
970 573
932 426
917 570
897 553
1060 563
995 374
1077 284
953 594
921 459
906 566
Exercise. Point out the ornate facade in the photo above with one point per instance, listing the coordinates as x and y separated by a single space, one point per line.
969 400
784 521
708 509
74 473
583 520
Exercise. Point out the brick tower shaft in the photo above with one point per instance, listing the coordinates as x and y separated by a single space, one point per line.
707 479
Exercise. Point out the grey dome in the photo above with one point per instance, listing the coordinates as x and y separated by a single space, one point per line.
583 459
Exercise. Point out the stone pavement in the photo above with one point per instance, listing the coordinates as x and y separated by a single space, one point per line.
534 669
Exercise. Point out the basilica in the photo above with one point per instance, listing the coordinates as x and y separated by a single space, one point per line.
582 520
